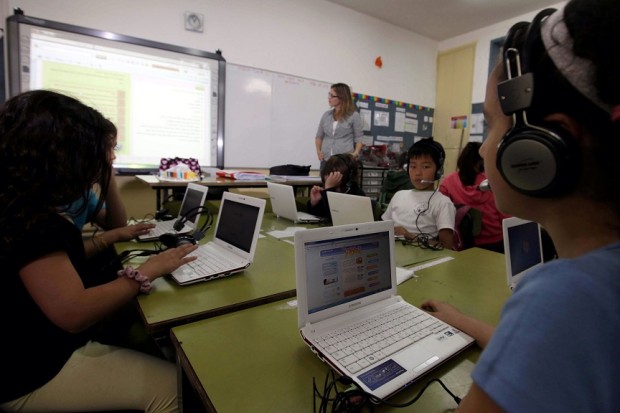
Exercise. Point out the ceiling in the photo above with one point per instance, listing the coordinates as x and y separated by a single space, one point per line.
444 19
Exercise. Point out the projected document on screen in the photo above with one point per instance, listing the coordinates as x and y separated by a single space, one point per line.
165 103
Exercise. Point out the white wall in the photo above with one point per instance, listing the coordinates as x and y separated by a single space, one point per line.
315 39
483 38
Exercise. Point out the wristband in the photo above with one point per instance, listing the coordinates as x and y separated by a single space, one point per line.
145 283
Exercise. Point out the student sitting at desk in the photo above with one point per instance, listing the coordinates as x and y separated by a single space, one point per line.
556 346
53 149
462 187
423 214
110 216
339 174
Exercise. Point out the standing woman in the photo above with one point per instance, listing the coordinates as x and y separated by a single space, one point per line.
53 149
340 129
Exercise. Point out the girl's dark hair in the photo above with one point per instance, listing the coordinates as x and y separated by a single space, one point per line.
595 29
53 149
469 163
346 165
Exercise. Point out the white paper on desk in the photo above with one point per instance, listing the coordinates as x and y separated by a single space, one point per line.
149 179
403 274
287 233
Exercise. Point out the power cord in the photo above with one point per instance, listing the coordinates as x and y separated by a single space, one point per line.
354 400
424 240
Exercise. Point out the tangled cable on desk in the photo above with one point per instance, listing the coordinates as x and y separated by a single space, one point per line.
424 241
355 400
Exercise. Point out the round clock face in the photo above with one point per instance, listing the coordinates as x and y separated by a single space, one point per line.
193 22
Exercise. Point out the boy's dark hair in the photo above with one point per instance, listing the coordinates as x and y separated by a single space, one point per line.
428 146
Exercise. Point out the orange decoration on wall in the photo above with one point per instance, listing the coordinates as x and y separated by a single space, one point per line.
379 62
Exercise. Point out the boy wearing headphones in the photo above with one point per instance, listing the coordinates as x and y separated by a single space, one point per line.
423 214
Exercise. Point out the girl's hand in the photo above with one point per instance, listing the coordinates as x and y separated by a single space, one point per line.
167 261
333 180
316 193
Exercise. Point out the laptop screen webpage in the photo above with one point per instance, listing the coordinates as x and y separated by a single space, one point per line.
524 247
346 269
237 223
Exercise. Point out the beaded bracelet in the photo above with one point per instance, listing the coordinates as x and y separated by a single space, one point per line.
145 283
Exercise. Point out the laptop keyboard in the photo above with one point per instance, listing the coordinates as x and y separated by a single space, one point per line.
165 227
365 343
210 262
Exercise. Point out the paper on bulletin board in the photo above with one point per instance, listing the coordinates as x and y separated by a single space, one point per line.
390 138
366 115
399 121
477 124
382 118
411 123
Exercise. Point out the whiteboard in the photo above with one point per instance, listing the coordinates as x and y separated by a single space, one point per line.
271 118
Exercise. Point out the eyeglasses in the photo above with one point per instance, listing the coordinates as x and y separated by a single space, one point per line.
330 96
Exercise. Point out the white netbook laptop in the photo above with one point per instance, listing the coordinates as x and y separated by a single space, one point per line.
522 248
195 196
234 241
283 204
346 290
349 209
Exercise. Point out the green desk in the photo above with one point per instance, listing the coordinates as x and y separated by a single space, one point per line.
270 278
255 360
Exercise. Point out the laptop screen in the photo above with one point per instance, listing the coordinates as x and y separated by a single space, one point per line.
344 269
191 200
237 223
525 247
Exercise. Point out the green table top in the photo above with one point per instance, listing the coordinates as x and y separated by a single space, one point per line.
255 359
271 277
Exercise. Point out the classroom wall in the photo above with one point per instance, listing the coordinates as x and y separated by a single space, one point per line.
483 38
315 39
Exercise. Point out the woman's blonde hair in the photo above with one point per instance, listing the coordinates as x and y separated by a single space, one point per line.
347 107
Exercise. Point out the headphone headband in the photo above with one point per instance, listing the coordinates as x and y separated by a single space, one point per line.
537 160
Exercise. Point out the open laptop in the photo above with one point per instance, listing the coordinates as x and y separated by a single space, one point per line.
346 285
349 209
234 241
283 204
195 196
522 248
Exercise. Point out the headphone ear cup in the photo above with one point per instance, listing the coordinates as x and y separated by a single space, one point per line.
540 161
169 240
173 240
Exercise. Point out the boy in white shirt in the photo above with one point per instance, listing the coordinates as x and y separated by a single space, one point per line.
423 214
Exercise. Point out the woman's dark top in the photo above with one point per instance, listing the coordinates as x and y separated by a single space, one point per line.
33 350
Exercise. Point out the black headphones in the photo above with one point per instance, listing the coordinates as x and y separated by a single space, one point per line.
437 153
171 240
537 160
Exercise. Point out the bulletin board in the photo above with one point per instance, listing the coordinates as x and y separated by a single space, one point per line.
394 123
